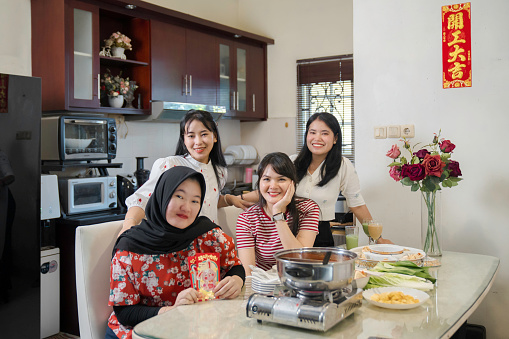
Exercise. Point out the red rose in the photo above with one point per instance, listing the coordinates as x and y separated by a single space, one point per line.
454 168
414 172
433 165
447 146
394 152
421 153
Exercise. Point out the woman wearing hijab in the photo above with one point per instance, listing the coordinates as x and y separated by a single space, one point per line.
149 269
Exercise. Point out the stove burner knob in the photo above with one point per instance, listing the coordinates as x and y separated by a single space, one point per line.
254 308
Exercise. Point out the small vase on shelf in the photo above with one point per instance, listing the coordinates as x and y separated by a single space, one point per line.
116 101
431 219
129 97
117 52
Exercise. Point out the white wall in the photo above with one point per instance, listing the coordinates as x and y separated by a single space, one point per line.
15 37
397 50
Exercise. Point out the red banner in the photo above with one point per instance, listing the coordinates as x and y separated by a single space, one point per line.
4 95
456 46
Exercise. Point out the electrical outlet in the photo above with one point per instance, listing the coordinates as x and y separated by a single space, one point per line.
380 132
393 131
407 131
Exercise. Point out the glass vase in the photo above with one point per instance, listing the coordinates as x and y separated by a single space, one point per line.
431 222
130 94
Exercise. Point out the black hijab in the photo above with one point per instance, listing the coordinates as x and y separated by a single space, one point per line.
154 235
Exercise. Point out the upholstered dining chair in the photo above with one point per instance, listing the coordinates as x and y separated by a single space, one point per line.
94 244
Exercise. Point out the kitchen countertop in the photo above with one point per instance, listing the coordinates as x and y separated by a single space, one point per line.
463 281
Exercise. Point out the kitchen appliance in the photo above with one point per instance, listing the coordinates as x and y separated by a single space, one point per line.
141 174
125 187
318 289
50 292
78 138
20 261
165 111
50 204
81 195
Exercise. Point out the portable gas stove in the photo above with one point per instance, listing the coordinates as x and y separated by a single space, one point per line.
306 309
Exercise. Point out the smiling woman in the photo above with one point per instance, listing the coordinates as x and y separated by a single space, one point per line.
279 220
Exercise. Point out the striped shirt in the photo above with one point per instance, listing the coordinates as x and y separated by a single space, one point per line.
255 229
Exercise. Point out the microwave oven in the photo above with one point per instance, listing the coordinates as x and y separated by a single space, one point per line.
82 195
76 138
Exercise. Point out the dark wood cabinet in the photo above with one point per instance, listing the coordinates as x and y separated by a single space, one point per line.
67 36
183 65
175 57
242 80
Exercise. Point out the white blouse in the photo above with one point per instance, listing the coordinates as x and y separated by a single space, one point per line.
346 182
209 208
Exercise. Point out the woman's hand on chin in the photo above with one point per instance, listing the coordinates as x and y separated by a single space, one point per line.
228 288
280 206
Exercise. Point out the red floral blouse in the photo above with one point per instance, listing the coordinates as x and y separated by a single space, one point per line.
157 279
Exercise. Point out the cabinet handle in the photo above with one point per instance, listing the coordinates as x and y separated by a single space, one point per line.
184 88
254 103
237 101
99 86
233 105
190 85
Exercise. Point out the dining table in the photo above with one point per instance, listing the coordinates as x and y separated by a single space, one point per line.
463 280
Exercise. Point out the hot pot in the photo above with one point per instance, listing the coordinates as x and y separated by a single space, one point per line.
316 268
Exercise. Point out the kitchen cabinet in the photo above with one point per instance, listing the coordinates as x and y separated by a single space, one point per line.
183 64
66 39
242 80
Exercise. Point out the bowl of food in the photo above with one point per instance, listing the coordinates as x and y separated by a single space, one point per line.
369 256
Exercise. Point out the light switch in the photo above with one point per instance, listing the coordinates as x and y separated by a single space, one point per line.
380 132
407 131
393 131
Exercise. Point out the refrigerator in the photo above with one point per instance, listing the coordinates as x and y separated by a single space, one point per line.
20 184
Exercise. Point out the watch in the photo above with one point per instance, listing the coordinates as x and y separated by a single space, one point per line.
279 216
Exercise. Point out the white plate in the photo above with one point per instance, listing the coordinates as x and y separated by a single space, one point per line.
422 296
386 249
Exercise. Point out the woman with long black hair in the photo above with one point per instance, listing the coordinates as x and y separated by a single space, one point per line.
199 148
279 220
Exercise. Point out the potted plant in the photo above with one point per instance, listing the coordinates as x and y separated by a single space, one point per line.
118 43
115 88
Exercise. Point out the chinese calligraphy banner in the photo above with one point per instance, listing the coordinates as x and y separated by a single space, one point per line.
4 85
456 46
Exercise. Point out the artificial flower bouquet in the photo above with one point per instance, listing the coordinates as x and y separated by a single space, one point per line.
426 169
114 85
118 39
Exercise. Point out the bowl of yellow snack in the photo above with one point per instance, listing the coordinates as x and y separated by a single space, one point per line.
400 298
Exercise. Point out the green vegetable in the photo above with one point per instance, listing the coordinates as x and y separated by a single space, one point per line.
400 280
404 267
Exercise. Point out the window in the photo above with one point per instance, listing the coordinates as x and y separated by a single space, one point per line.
326 85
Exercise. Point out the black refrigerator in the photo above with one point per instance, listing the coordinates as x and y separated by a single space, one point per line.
20 184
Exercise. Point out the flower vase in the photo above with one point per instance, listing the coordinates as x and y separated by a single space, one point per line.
117 52
431 219
129 97
116 101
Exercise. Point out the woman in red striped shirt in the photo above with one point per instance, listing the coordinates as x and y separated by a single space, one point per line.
280 220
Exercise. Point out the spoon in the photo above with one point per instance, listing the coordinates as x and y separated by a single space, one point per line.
326 258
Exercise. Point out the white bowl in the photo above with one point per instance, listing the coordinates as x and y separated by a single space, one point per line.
422 296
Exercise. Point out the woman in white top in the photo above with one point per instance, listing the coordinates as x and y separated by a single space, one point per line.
199 147
322 173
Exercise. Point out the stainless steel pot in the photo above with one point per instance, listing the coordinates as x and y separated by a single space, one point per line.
305 268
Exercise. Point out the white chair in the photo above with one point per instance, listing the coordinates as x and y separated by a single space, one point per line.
227 219
94 244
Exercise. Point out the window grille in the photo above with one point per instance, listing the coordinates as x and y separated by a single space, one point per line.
326 85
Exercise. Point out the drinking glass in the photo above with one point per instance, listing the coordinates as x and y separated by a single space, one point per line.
365 224
375 230
352 237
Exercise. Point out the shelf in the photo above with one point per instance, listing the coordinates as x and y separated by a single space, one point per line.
106 109
121 62
47 166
